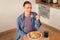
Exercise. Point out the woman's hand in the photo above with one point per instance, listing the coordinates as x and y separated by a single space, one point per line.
37 17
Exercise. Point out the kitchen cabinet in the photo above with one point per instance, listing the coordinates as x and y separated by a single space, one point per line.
49 16
55 18
38 1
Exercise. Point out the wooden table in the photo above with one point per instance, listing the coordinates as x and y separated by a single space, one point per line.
26 38
52 36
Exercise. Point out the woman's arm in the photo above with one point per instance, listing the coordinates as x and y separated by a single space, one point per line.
20 33
37 24
37 21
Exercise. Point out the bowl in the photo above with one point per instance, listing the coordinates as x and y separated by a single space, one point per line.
34 35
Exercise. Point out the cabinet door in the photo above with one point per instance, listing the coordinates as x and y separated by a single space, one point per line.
55 17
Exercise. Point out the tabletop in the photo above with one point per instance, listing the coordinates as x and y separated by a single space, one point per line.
26 38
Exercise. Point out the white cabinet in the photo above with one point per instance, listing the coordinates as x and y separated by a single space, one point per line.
55 18
50 16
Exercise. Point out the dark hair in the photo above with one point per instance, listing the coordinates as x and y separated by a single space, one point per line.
26 2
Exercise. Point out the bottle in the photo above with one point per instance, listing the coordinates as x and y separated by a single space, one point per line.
46 34
55 1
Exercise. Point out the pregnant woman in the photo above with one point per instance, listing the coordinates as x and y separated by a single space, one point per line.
28 21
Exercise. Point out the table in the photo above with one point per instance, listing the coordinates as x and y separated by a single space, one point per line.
26 38
52 36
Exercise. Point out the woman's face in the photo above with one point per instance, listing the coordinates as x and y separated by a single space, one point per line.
27 8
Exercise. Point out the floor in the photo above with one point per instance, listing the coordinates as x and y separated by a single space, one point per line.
11 34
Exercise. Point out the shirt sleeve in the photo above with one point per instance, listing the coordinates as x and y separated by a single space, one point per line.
37 24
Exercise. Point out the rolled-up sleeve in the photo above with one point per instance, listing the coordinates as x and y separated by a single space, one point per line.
37 23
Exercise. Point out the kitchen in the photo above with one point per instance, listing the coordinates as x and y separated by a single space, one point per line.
53 10
52 20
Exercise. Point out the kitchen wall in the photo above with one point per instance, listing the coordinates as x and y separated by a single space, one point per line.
7 14
9 11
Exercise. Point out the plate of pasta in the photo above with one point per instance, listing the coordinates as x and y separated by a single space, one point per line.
34 35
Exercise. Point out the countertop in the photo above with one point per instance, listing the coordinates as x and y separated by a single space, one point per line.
57 6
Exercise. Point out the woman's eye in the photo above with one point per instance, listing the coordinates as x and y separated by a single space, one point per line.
29 7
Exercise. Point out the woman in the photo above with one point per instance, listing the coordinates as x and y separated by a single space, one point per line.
28 21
